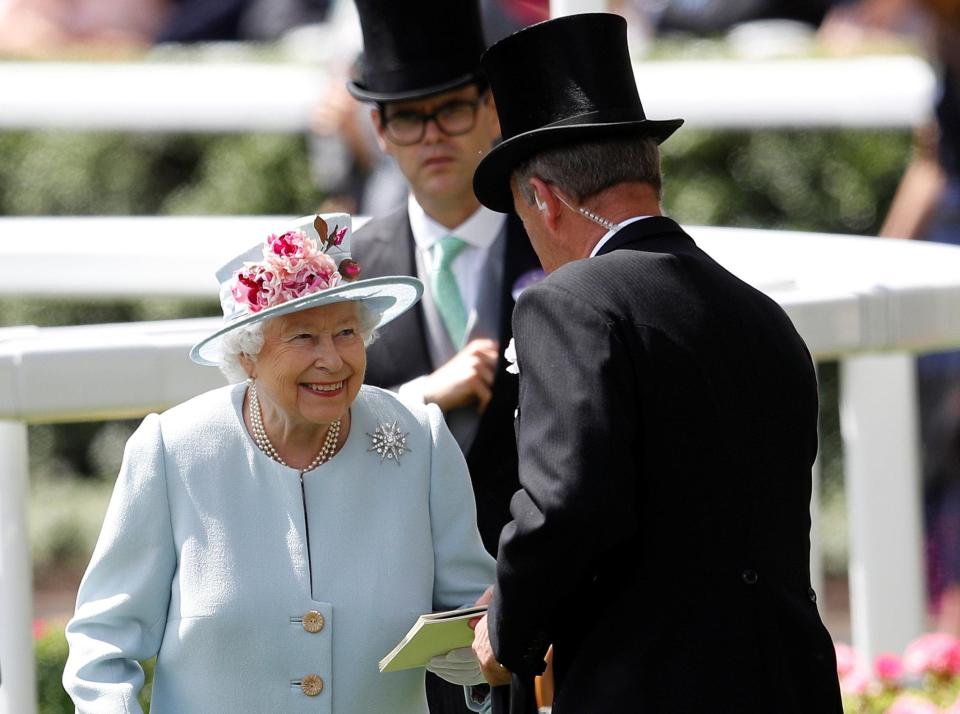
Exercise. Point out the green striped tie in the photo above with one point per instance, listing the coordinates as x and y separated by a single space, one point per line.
446 294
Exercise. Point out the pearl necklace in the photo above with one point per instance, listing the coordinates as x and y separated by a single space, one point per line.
263 441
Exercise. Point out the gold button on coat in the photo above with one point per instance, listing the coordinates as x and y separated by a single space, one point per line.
311 685
313 621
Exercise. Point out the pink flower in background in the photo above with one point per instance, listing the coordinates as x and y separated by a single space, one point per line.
936 653
936 656
856 681
911 704
39 628
854 677
888 668
846 658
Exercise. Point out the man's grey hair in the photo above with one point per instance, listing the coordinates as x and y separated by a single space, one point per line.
248 340
587 168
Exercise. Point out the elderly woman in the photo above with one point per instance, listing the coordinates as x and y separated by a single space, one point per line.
271 540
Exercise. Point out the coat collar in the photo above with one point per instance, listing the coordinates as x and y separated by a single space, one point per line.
653 233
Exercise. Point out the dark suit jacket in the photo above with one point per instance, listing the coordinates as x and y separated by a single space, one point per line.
385 246
667 429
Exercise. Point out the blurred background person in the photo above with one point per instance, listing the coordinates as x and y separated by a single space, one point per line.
703 17
40 27
504 17
259 20
345 159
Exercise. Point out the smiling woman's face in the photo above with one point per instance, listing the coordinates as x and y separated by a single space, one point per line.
311 365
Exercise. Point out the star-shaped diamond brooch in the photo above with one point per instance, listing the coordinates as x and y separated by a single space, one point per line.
388 441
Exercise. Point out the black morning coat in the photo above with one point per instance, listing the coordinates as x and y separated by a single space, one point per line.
385 246
667 428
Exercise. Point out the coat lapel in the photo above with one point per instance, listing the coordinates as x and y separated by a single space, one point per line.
386 247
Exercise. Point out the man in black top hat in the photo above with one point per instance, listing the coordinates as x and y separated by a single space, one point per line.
667 422
434 114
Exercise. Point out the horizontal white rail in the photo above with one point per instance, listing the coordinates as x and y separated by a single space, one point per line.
873 91
867 92
844 293
124 256
199 97
60 374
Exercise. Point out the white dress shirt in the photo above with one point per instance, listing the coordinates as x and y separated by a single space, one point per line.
479 232
612 232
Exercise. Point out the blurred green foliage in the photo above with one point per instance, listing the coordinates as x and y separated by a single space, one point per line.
66 173
50 648
835 181
830 181
65 517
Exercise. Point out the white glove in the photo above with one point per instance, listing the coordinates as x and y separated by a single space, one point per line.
459 666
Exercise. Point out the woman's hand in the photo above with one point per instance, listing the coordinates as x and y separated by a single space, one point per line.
494 672
459 666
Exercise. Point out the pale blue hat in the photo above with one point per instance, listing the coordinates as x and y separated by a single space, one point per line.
388 296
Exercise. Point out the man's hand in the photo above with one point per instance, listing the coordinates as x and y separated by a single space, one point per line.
466 379
494 672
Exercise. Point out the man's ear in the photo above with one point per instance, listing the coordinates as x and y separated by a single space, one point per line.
545 201
380 131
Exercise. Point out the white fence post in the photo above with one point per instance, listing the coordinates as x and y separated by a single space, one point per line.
878 418
17 669
817 578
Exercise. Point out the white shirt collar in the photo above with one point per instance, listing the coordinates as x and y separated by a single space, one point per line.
479 230
610 233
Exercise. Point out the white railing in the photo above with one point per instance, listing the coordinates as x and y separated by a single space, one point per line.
873 91
869 302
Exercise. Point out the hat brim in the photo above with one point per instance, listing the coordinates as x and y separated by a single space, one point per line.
391 296
491 180
364 94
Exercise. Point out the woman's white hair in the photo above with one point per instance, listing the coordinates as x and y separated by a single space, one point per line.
248 340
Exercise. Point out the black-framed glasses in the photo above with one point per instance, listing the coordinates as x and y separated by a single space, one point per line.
453 119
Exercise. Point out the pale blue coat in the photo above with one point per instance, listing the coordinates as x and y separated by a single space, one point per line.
203 561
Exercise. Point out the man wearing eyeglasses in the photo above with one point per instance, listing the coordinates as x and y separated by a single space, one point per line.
434 113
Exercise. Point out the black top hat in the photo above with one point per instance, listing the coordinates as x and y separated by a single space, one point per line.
561 81
417 49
